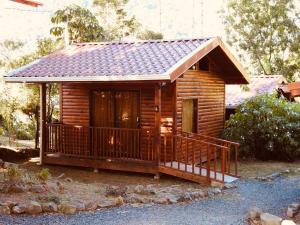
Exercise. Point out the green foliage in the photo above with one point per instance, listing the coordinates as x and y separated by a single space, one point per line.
267 127
268 31
44 174
13 173
149 35
83 26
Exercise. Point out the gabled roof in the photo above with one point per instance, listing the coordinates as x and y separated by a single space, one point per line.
126 61
237 94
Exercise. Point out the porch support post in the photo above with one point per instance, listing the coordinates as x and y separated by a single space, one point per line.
42 121
157 140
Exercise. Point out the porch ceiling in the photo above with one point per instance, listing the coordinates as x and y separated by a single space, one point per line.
126 61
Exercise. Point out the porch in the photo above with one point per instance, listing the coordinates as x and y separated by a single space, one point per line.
190 156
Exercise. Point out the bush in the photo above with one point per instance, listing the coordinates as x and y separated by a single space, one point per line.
13 173
23 135
44 174
267 127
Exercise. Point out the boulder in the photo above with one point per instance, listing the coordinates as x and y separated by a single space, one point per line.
288 222
67 208
4 210
229 186
292 210
197 194
18 209
115 191
134 198
10 204
269 219
49 207
161 200
107 203
37 188
33 208
254 212
119 200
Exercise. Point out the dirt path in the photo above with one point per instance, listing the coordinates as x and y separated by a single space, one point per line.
230 208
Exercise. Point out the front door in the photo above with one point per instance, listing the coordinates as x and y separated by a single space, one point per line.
115 115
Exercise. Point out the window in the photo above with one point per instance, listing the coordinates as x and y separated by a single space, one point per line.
190 115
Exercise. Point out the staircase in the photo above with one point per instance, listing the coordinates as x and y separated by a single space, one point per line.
199 158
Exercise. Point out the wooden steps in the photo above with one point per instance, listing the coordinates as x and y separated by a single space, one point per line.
198 175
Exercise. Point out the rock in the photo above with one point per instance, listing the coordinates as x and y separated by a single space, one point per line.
254 212
288 222
119 200
151 189
7 165
68 179
4 210
91 205
134 198
214 191
53 188
33 208
10 204
140 189
197 194
18 209
49 207
185 197
216 184
67 208
115 191
161 200
229 186
107 203
79 206
37 188
18 188
286 171
269 219
292 210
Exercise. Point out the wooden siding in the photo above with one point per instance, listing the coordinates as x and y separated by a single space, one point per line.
209 89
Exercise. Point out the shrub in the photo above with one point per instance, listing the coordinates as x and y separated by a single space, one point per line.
267 127
13 173
44 174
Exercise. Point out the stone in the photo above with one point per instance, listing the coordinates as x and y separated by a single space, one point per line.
151 189
37 188
288 222
214 191
4 210
49 207
216 184
91 205
254 212
140 189
7 165
269 219
53 188
185 197
68 179
286 171
10 204
79 206
107 203
134 198
67 208
33 208
161 200
60 187
18 209
119 200
197 194
229 186
115 191
292 210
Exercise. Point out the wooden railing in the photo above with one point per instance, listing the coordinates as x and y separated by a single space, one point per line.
190 153
100 142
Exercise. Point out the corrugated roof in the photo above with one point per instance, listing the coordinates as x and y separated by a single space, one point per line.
260 84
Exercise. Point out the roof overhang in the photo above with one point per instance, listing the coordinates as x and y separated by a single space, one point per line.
28 2
213 47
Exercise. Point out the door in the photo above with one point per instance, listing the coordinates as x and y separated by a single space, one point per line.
112 110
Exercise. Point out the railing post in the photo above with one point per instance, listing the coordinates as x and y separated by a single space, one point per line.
43 135
208 163
236 159
157 140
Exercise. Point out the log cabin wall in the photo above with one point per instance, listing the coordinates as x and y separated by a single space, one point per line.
75 104
209 88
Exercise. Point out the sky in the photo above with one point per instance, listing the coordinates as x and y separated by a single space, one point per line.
174 18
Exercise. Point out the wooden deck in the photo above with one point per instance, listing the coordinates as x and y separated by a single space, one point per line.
194 157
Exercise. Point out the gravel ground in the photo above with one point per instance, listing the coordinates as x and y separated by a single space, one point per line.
230 208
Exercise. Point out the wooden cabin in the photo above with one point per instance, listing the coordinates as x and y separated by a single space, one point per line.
147 106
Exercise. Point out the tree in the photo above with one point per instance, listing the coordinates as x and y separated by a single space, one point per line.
149 35
82 25
115 21
268 31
